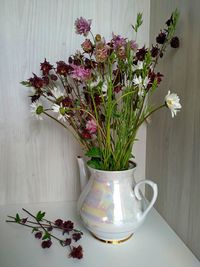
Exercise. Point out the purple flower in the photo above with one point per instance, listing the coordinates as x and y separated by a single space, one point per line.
82 26
133 45
80 73
118 41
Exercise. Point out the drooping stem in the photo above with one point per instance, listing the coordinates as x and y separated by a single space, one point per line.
67 128
150 113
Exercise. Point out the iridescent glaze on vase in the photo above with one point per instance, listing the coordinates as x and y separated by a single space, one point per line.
111 205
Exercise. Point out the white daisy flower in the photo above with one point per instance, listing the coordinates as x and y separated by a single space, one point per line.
95 83
139 66
142 84
61 112
37 110
104 87
173 103
56 93
145 82
137 81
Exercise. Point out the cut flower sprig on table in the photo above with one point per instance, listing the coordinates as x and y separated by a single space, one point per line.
101 93
43 230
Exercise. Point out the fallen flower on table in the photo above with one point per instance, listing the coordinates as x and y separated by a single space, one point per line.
43 228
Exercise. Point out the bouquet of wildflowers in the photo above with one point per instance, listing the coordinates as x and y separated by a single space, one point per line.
101 93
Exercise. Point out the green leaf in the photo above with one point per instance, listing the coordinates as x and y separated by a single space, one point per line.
46 236
17 218
34 229
94 163
94 152
138 23
40 215
25 83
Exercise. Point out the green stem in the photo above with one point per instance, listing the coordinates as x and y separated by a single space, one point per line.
41 224
67 128
161 106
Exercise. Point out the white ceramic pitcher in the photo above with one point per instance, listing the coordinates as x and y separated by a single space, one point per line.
111 205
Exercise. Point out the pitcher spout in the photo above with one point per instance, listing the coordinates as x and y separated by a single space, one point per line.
82 172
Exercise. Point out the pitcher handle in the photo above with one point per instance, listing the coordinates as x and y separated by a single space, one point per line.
139 195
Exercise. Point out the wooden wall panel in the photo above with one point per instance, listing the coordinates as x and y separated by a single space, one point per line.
173 146
37 158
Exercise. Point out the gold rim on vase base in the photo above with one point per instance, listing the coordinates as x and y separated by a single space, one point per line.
114 242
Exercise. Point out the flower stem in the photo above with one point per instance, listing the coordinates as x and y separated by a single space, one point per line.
161 106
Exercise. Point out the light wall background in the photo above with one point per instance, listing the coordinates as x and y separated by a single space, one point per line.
38 158
173 145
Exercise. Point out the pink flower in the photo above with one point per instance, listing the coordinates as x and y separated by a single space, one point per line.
87 46
80 73
134 45
101 52
91 126
118 41
82 26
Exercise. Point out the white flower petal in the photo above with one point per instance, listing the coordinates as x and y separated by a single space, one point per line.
173 103
33 109
56 93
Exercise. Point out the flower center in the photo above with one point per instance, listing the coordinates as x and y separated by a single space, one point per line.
62 111
39 110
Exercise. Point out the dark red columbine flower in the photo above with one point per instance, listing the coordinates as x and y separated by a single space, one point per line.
46 244
68 241
62 68
36 81
38 235
68 226
45 80
89 63
76 252
141 53
161 38
50 228
159 77
86 135
46 67
97 99
154 76
76 236
169 21
175 43
24 220
154 51
117 89
34 98
53 77
67 102
59 222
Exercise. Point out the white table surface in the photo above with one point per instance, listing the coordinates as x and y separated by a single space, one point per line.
154 245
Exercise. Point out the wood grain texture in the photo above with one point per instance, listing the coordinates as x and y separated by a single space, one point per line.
37 159
173 147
